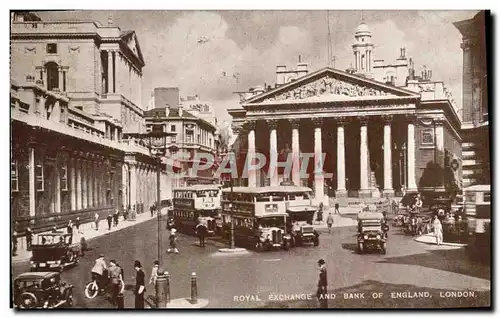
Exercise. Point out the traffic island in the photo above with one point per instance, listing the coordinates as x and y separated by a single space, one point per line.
186 303
431 239
231 251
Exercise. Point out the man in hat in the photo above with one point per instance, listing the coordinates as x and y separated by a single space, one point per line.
115 274
110 220
173 242
98 270
154 274
322 284
139 285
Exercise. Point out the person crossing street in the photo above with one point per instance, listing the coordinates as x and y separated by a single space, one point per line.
173 242
329 222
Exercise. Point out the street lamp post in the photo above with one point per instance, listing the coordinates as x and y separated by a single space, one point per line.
232 214
156 142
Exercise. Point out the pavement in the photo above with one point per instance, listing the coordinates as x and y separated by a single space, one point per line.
275 279
431 239
88 232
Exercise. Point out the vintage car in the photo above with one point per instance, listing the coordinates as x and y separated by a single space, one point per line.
271 233
299 223
41 290
372 232
53 253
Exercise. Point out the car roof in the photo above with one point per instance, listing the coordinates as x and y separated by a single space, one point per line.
56 234
282 189
37 275
370 216
199 187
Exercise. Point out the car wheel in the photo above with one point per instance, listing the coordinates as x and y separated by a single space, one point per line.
27 301
69 298
361 248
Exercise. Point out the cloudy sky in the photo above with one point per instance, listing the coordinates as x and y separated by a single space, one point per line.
200 51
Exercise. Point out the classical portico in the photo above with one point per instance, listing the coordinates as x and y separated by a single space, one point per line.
359 135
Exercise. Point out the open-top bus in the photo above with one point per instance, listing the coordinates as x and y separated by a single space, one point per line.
197 204
478 213
260 215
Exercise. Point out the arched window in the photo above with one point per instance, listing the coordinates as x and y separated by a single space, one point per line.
52 70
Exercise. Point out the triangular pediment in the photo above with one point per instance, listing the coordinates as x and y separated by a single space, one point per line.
130 39
330 85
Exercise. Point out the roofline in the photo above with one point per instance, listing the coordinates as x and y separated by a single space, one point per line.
310 75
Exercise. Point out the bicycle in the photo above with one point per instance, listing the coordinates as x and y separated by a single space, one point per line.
92 288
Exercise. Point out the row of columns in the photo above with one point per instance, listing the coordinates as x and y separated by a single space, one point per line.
361 64
142 184
341 160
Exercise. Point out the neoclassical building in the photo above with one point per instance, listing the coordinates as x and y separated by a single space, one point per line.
377 137
75 97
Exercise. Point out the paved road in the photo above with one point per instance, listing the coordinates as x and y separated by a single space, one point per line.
262 278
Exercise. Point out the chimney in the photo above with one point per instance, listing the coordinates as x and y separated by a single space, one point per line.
301 69
280 74
180 110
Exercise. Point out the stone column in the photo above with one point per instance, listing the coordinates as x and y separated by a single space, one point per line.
110 72
133 189
124 185
60 82
78 184
92 176
84 185
412 185
319 183
341 188
295 152
388 189
467 109
57 186
439 151
32 184
273 153
364 191
252 174
72 181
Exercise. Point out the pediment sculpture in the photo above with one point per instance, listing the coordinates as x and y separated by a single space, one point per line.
327 85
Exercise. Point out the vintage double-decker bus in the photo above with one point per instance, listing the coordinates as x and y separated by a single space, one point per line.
197 204
478 212
261 215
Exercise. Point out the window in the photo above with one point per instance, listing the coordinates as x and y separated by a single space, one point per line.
172 128
52 70
189 136
39 179
52 48
14 176
173 139
487 197
64 178
427 137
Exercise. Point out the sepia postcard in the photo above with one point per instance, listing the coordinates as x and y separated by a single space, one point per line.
250 159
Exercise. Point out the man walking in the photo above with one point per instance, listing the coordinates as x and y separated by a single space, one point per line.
139 285
77 225
154 275
115 275
69 230
116 216
152 210
29 238
110 220
438 230
329 222
173 242
322 285
337 207
96 221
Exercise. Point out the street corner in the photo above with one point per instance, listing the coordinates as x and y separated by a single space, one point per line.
430 239
186 303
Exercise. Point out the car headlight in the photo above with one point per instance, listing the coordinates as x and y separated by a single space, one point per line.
378 237
366 237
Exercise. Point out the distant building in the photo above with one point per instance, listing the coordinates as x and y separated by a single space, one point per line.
475 122
194 134
383 127
75 95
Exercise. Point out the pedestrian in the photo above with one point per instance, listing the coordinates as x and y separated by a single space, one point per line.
14 243
77 225
154 275
173 242
139 285
29 238
438 230
110 219
329 222
320 212
83 246
152 210
98 270
115 274
337 207
322 285
115 218
69 230
96 221
201 232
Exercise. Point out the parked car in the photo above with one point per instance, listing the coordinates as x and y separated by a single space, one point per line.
52 252
41 290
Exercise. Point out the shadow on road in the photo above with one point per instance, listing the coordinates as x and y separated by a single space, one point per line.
397 296
350 247
455 260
